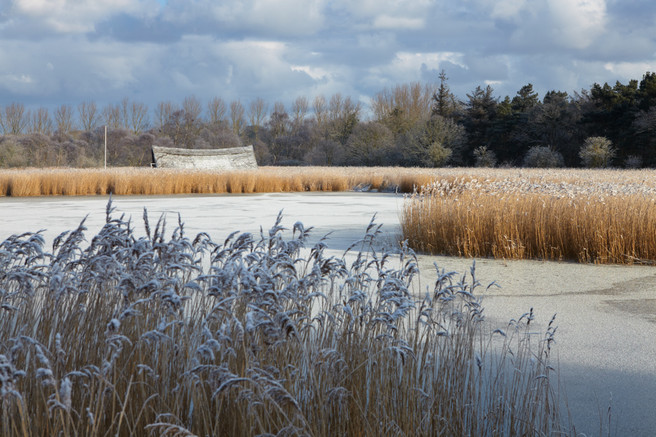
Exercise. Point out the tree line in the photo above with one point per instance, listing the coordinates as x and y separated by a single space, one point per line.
413 124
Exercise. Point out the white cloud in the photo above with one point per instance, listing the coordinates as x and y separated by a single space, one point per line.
377 41
315 73
630 70
77 16
507 9
388 22
254 17
552 24
385 14
74 69
17 78
412 62
261 68
577 23
260 57
373 8
408 67
298 16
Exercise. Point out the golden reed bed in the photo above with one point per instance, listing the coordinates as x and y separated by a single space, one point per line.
604 216
588 216
146 181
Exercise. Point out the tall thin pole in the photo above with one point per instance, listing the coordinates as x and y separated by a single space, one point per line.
105 147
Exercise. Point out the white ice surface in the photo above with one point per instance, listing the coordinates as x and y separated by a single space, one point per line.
344 215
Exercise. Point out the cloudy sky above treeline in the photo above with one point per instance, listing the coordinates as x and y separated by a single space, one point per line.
56 52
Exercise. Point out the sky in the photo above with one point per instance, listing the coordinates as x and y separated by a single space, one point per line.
55 52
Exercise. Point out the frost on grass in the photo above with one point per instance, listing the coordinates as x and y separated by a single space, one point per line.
125 334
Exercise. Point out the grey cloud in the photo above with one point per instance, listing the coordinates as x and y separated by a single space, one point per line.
631 14
284 19
491 68
625 46
128 28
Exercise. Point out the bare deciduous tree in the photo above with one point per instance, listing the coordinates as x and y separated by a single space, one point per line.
189 120
163 112
138 117
236 116
335 107
370 144
125 113
319 108
257 112
216 110
343 116
64 119
192 108
402 106
41 122
111 116
278 121
299 111
88 115
14 119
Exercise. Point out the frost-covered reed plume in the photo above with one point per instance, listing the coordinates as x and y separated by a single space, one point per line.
132 335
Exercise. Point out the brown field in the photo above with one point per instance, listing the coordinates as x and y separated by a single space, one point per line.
601 216
146 181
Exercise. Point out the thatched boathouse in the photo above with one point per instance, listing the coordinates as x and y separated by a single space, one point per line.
233 158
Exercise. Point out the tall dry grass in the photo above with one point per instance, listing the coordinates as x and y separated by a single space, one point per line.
588 216
151 335
146 181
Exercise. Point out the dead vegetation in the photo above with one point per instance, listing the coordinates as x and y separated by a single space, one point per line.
130 335
602 216
143 181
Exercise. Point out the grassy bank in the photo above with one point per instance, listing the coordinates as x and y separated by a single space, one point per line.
146 181
152 335
589 216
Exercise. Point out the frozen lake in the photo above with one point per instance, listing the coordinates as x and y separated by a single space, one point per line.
606 315
344 215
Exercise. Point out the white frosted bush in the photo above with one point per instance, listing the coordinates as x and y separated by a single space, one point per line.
543 157
597 152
